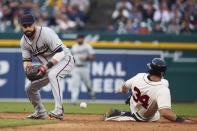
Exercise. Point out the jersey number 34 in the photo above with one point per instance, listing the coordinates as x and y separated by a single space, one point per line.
143 99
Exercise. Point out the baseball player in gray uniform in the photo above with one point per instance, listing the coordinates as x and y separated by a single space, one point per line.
44 45
83 54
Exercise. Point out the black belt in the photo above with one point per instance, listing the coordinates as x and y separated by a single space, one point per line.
80 65
135 117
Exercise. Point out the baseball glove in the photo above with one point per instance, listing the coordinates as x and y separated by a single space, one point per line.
33 73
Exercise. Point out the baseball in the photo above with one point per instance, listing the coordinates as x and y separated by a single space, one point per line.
83 105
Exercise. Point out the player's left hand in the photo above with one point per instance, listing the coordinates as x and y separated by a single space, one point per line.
189 121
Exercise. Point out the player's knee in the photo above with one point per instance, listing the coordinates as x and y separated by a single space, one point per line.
29 89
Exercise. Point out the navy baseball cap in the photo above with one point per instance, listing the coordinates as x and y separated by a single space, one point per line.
80 36
27 19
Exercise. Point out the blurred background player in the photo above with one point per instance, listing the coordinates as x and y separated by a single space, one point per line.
151 97
83 54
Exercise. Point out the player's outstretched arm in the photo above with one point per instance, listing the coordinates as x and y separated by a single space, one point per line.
170 115
123 89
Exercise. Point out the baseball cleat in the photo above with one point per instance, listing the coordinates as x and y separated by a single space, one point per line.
36 115
56 116
112 113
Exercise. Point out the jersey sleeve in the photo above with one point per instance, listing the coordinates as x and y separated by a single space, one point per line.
26 54
128 83
163 98
52 40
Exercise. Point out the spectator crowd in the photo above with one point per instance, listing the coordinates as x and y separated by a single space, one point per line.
61 15
159 16
129 16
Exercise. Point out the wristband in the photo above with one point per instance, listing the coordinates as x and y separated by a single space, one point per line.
49 64
179 119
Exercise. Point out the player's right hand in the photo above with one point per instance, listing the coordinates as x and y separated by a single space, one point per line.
28 68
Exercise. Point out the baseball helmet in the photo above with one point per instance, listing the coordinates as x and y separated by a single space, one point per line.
157 66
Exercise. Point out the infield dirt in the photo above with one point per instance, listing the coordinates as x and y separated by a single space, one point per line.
79 122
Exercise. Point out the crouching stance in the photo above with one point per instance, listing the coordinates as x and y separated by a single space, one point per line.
150 97
43 44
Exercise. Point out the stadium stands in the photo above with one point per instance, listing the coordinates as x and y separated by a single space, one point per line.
120 16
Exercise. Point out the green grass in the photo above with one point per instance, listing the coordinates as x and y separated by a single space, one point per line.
71 109
185 109
181 109
12 107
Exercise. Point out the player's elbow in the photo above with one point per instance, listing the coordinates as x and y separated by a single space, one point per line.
164 112
59 56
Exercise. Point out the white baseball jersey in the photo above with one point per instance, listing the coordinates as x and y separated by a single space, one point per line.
43 46
148 96
82 51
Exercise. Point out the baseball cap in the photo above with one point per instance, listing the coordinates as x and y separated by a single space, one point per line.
27 19
80 36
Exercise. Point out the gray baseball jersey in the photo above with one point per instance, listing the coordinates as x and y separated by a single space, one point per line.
43 47
82 51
